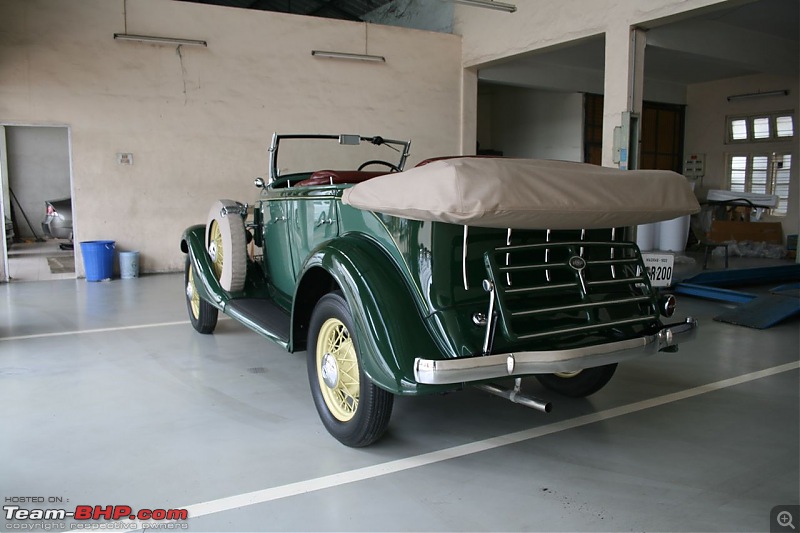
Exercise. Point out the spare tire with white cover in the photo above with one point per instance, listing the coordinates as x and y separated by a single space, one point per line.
226 244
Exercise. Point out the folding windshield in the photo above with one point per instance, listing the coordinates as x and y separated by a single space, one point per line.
301 153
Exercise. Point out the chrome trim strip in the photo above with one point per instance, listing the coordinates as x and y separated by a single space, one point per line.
634 279
538 266
613 238
464 258
523 290
466 369
508 257
583 306
490 318
630 260
546 257
588 327
559 244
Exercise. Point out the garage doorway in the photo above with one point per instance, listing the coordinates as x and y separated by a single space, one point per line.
662 130
37 203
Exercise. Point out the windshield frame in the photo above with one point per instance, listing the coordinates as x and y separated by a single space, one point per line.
404 147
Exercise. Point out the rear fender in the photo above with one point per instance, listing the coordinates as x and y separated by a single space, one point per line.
390 330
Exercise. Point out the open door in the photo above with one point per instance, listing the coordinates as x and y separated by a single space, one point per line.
35 187
4 208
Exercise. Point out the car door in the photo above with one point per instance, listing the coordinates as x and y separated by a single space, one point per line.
277 250
313 221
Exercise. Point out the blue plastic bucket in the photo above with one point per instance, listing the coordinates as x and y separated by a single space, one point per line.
98 259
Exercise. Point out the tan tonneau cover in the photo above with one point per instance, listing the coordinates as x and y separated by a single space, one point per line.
526 194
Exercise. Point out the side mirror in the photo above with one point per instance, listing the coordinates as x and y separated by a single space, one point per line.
259 182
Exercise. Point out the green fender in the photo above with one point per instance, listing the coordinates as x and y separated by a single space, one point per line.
193 244
390 330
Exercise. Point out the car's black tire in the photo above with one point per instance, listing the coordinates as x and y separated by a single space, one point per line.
226 244
578 384
352 408
202 314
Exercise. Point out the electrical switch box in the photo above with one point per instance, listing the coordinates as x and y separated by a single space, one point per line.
694 167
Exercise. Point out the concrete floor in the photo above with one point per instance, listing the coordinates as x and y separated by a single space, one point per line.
40 261
108 397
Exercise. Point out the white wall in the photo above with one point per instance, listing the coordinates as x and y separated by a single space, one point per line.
530 123
198 120
706 112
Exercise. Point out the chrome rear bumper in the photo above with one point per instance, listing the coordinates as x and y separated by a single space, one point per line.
466 369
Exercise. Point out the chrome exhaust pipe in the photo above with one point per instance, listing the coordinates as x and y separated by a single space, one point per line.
516 396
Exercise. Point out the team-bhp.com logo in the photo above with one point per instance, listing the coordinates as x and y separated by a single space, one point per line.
88 517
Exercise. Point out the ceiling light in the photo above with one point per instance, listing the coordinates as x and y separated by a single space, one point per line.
783 92
345 55
157 40
509 8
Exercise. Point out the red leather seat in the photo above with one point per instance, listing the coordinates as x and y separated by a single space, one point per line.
331 177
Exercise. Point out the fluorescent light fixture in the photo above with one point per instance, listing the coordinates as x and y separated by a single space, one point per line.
499 6
784 92
345 55
157 40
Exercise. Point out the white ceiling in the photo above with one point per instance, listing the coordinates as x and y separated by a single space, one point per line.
757 37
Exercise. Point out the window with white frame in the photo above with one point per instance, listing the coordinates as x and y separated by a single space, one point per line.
778 126
762 173
755 167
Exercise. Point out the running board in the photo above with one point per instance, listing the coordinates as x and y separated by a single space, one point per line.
262 316
516 396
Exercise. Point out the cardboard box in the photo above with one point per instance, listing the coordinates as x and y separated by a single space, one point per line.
728 230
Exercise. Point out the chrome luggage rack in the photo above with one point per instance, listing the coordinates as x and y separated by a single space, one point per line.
598 284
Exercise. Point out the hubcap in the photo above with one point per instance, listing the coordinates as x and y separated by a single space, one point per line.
337 370
568 375
330 371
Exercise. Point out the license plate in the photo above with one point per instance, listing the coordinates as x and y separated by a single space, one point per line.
659 268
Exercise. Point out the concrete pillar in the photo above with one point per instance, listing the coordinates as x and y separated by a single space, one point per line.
469 111
623 85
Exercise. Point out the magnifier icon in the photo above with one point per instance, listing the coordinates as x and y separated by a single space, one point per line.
785 519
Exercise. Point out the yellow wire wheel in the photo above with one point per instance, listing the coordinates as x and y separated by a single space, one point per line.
567 375
202 314
337 369
351 407
579 383
191 294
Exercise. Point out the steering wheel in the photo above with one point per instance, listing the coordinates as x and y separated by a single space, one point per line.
394 168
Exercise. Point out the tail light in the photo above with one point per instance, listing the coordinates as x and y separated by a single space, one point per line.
668 305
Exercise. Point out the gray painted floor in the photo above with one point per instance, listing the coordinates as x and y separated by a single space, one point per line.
108 397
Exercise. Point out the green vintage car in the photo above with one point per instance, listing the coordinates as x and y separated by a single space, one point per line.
461 271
